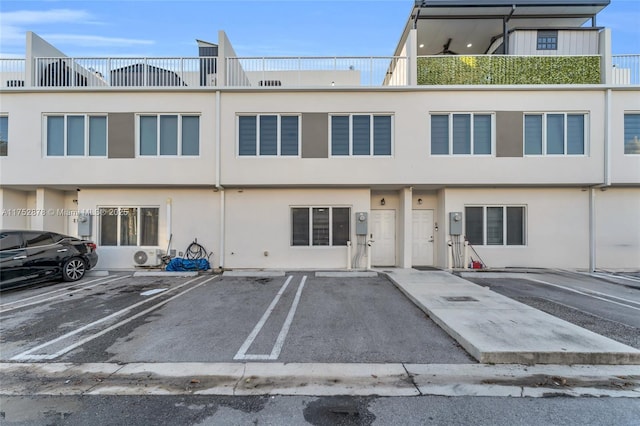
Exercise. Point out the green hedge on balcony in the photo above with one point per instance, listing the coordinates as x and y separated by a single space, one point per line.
503 69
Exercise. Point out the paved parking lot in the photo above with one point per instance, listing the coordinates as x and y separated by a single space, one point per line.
210 318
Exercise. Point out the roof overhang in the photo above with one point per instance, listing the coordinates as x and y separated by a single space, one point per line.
476 22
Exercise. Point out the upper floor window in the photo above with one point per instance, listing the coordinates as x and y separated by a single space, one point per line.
361 134
129 226
555 134
495 225
4 135
76 135
320 226
461 134
169 134
632 133
547 40
268 135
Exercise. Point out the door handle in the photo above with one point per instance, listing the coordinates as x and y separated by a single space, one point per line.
62 250
19 257
430 240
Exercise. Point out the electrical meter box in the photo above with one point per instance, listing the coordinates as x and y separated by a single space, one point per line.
455 223
362 219
84 225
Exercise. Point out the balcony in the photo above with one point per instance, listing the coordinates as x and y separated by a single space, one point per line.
508 70
311 72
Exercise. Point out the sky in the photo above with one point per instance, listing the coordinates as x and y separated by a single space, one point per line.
166 28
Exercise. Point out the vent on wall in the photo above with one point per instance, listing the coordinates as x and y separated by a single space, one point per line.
270 83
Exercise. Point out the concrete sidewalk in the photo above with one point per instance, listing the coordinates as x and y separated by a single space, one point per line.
496 329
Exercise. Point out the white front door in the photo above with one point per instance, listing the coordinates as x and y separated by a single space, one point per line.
422 245
383 234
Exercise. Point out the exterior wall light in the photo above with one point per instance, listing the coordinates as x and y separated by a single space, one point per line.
382 202
420 201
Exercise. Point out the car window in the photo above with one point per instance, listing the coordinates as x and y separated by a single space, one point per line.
58 237
36 239
10 241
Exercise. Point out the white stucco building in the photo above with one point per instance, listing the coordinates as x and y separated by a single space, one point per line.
518 133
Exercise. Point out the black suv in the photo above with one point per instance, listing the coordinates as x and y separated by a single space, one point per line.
30 256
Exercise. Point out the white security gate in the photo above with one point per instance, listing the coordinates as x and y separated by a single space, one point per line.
422 243
383 233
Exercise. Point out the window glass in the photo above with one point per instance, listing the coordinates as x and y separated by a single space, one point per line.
482 134
190 135
320 231
4 135
575 134
148 135
340 226
300 223
339 135
461 134
55 136
547 40
108 227
98 136
533 134
555 134
168 135
382 135
289 135
75 135
515 226
37 239
128 226
632 133
361 135
495 226
148 226
474 225
439 135
268 135
10 241
247 135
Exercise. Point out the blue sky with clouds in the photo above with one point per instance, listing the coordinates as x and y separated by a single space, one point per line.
256 28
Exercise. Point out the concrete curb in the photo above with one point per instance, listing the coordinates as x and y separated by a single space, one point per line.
253 274
346 274
317 379
165 274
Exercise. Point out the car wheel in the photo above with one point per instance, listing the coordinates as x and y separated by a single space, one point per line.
73 269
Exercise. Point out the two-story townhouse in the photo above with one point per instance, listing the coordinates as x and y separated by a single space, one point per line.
507 124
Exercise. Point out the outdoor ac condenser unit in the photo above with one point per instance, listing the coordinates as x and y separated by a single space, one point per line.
147 257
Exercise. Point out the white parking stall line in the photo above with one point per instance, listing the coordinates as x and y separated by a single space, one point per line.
29 354
60 293
277 347
621 276
591 293
254 333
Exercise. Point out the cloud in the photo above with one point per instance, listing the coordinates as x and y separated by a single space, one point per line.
16 23
31 17
94 41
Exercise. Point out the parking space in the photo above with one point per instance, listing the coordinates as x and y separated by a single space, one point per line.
295 318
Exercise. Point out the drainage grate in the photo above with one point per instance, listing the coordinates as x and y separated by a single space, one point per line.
460 299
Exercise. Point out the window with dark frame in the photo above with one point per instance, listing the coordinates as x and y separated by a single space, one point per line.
320 226
547 40
4 135
495 225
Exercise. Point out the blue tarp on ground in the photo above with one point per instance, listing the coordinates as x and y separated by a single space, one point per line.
179 264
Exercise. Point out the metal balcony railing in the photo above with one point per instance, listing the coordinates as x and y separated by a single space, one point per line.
265 72
316 71
626 69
